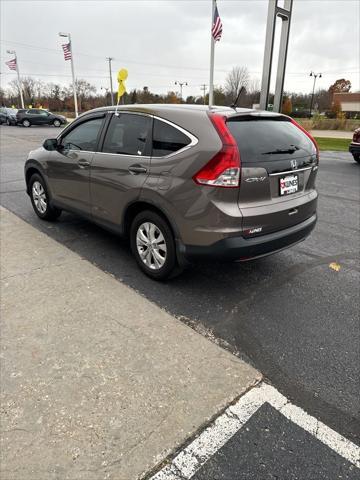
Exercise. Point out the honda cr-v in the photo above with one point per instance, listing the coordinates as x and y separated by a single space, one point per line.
182 181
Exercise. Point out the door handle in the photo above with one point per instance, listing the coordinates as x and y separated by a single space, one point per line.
83 163
136 169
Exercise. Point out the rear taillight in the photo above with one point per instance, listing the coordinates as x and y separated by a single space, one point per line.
309 135
223 170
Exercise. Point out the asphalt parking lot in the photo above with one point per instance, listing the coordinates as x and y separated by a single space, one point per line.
290 315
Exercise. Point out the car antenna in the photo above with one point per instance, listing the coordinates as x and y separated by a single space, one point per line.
234 105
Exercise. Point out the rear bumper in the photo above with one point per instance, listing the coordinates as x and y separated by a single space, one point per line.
240 248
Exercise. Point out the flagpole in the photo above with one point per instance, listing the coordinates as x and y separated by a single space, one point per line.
72 72
73 79
212 58
20 88
18 77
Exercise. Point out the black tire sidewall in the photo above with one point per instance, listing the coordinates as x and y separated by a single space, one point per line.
50 212
170 264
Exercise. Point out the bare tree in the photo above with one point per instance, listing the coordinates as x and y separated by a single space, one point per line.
238 77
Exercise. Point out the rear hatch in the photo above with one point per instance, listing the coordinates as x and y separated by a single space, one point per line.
278 169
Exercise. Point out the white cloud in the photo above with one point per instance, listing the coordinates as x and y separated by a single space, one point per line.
166 40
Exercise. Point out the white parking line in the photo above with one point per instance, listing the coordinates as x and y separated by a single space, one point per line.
189 460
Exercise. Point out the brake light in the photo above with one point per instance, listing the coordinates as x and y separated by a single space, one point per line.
223 170
309 135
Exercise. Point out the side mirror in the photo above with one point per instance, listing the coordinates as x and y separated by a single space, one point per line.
50 144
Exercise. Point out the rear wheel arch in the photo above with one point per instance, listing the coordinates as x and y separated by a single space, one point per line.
135 208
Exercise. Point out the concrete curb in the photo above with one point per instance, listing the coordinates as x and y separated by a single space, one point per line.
97 382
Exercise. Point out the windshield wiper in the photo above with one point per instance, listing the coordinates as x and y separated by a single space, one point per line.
282 150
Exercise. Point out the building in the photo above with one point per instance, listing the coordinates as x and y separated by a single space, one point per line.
349 102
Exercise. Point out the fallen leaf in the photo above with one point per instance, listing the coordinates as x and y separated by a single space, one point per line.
335 266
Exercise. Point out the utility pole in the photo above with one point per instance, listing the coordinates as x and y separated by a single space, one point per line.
315 75
13 52
181 84
203 88
109 59
67 35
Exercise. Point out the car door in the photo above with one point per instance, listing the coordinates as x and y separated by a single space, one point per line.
119 170
32 115
44 117
68 167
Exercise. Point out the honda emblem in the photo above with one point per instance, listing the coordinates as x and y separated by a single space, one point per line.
293 164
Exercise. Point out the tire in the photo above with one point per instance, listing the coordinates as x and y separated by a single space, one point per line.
26 123
356 157
40 199
56 123
160 263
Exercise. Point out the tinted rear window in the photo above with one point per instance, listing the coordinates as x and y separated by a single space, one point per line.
260 140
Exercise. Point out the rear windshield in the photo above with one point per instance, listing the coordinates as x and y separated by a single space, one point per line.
261 139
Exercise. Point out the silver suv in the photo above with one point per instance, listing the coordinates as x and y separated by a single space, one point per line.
182 181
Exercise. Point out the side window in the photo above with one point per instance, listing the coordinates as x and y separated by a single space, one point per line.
127 134
167 139
84 136
44 113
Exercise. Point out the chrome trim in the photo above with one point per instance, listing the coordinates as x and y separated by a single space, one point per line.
122 154
193 140
290 171
355 143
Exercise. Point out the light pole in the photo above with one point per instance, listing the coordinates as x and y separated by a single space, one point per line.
67 35
109 59
13 52
181 84
315 75
203 88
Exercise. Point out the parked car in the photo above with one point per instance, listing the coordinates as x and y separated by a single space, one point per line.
8 115
38 116
354 147
182 181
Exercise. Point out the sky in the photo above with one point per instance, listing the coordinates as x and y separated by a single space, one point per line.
163 41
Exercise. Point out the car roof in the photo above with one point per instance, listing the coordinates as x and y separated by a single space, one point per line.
168 108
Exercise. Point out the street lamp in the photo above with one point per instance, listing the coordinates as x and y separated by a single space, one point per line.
13 52
315 75
68 36
181 84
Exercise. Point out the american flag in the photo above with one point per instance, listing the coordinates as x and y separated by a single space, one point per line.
12 64
67 51
217 26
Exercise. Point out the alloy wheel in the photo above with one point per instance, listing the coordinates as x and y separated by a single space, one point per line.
39 197
151 245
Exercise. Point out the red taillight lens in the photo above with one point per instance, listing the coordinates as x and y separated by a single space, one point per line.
309 135
223 170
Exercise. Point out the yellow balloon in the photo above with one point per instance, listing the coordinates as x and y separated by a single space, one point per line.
122 75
